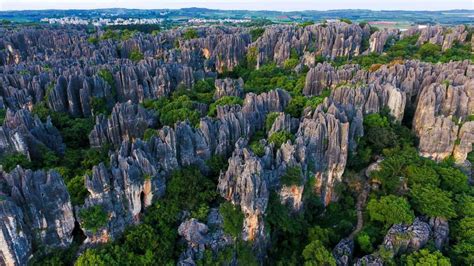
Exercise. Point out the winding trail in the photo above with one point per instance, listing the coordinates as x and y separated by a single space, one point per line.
360 205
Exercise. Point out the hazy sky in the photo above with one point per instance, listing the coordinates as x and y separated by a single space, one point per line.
287 5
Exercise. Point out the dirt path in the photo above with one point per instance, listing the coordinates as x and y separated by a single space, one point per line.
360 205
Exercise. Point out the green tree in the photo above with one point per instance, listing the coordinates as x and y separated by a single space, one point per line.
453 179
270 119
233 219
226 100
256 33
190 34
93 218
90 257
425 258
280 137
432 201
10 161
390 210
141 238
315 254
364 242
136 55
292 176
295 106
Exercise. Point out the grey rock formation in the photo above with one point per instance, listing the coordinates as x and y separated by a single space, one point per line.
15 241
23 133
343 252
127 122
402 238
369 260
199 238
244 184
440 229
229 87
31 215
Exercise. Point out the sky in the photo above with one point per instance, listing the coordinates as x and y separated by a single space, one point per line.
288 5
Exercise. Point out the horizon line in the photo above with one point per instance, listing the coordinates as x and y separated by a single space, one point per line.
224 9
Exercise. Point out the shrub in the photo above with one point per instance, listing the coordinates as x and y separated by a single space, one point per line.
270 119
346 20
425 257
256 33
292 176
280 137
316 254
10 161
290 63
93 218
257 148
183 181
226 100
107 76
190 34
136 55
295 106
217 163
422 175
364 242
149 133
99 106
233 219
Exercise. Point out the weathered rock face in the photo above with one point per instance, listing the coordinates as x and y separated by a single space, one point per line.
369 260
31 215
439 112
229 87
15 241
27 135
199 238
325 76
402 239
284 122
134 180
329 40
127 121
343 252
440 229
245 184
379 39
322 144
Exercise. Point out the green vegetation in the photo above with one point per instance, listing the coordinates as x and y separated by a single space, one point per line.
346 20
226 100
268 77
93 218
407 48
256 33
155 240
190 34
299 103
149 133
280 137
425 257
136 55
315 253
270 119
293 176
12 160
174 110
233 219
390 210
